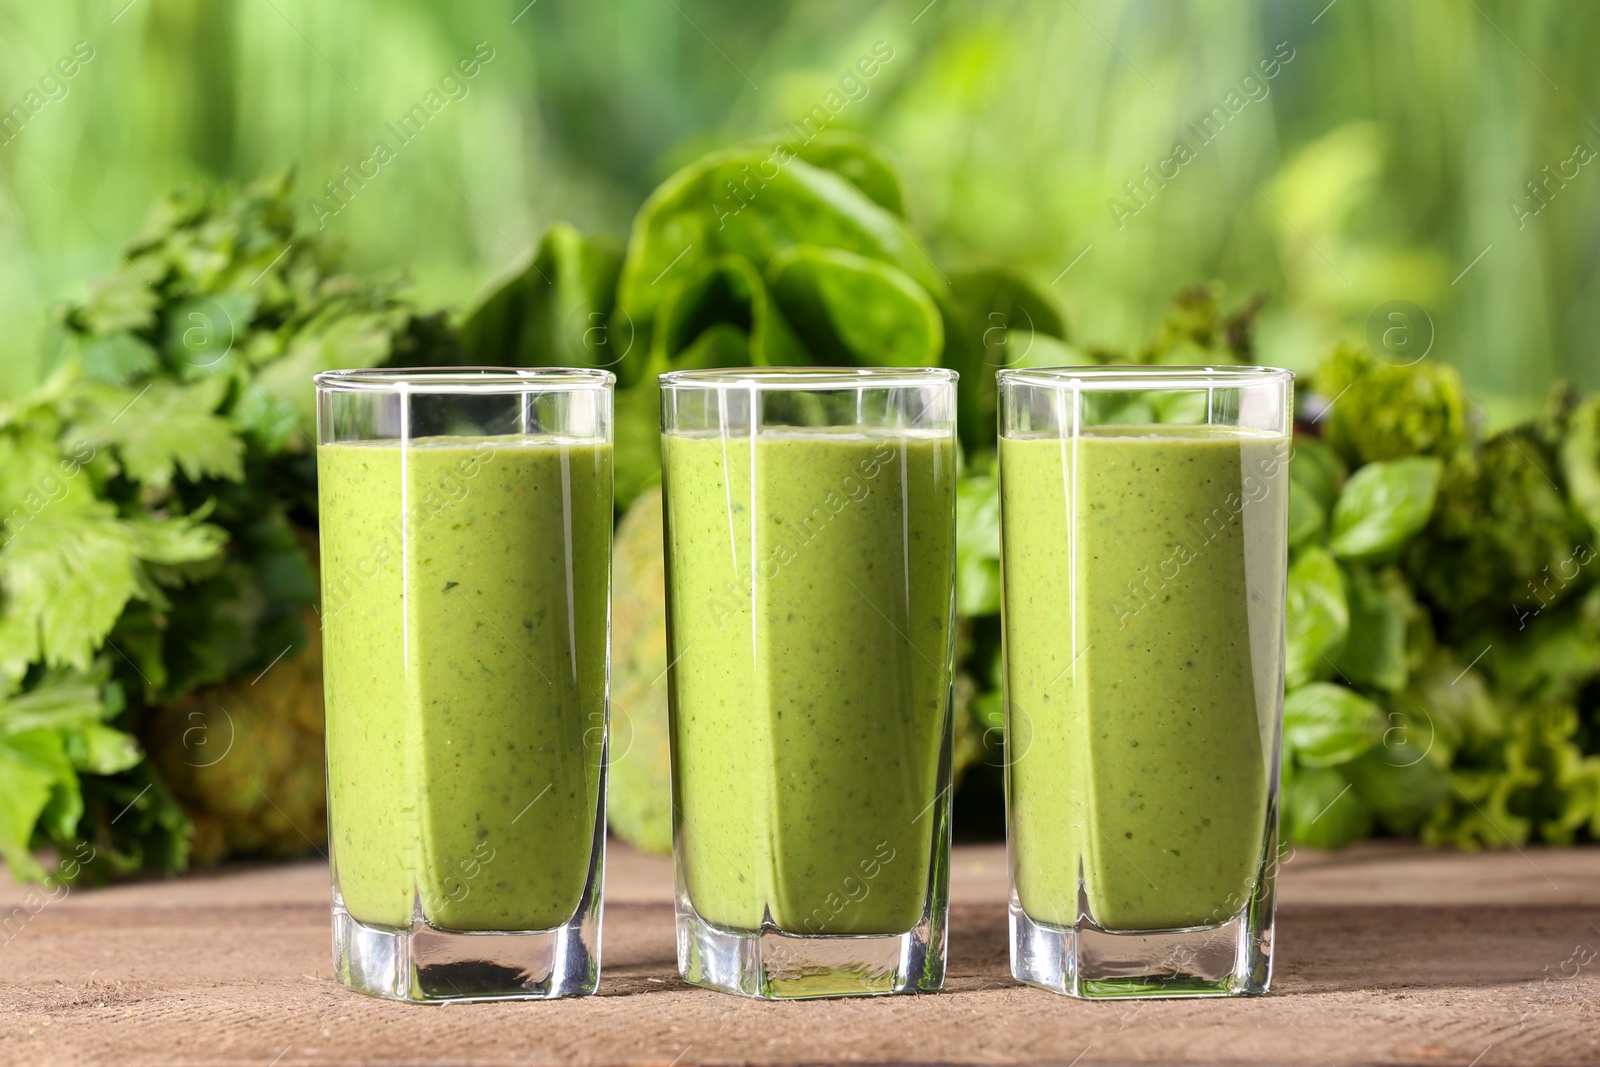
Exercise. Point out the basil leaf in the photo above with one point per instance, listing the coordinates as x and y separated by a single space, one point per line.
1318 618
977 586
1383 506
1321 810
1325 724
1398 784
1380 611
1318 469
978 545
1307 517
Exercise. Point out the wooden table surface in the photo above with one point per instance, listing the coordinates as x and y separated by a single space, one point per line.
1387 954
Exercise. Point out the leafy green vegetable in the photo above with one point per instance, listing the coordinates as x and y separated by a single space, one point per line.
720 314
854 311
1401 787
978 545
1381 411
1326 724
1308 520
994 320
1580 462
153 497
1501 527
1321 809
1383 506
1318 471
1381 614
1318 617
1481 646
557 312
754 204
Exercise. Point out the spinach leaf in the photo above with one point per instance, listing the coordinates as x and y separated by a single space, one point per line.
557 312
720 314
637 448
746 202
1383 506
994 319
853 311
857 161
1325 724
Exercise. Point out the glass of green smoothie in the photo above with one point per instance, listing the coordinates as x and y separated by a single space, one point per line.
466 567
1144 527
810 528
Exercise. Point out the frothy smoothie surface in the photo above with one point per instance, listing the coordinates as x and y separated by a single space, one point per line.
811 584
465 593
1144 579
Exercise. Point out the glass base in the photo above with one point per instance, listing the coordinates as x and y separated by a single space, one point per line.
424 963
775 965
1232 959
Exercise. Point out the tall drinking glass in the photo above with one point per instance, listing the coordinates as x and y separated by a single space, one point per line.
810 534
1144 519
466 567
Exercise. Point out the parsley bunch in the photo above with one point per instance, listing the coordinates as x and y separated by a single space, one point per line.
156 498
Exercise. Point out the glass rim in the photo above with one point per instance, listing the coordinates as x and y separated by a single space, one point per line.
464 379
820 378
1130 376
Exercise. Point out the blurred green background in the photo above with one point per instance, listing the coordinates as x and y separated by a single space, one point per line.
1387 157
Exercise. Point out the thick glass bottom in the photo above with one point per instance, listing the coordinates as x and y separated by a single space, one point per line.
775 965
423 963
1230 959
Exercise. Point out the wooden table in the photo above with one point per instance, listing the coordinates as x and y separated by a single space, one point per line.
1388 954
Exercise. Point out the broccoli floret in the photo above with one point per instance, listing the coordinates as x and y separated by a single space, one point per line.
1380 411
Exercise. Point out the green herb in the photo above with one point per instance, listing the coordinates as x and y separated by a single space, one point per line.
1480 644
1327 724
155 495
1318 617
1383 506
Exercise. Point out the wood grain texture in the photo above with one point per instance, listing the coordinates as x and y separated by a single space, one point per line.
1388 954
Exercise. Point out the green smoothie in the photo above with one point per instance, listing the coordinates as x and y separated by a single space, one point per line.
465 612
810 588
1144 577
